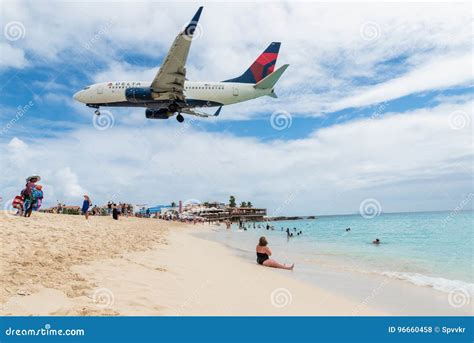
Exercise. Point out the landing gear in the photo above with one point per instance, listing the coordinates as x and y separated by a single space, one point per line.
97 112
180 118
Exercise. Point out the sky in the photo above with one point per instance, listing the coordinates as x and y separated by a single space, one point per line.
375 110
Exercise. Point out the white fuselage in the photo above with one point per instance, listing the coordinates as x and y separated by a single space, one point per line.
224 93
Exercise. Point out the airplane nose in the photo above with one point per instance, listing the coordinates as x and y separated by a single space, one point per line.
78 96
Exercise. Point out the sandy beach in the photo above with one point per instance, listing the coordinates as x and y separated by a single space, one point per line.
63 265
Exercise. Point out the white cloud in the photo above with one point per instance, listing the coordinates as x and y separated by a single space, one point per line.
66 183
11 57
439 73
407 161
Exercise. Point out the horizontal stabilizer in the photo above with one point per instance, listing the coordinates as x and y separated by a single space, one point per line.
200 114
272 79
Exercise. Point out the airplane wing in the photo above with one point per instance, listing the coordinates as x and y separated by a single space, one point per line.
170 78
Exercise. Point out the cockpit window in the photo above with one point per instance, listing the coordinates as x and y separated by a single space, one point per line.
87 87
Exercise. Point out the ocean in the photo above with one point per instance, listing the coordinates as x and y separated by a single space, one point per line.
432 249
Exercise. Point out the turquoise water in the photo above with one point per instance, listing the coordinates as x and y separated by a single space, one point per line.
428 249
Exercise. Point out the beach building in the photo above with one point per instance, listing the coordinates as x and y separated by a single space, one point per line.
215 211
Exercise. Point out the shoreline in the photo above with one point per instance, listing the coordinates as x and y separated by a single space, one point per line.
177 274
385 292
149 267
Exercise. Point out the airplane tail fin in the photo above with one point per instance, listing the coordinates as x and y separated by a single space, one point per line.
262 67
270 81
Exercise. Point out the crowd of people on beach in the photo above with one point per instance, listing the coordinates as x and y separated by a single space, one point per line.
113 209
30 198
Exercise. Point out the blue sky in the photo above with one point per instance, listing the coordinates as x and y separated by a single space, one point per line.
378 98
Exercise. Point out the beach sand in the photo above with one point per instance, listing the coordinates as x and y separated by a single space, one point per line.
64 265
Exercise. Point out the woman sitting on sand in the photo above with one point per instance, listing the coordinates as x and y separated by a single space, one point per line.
264 253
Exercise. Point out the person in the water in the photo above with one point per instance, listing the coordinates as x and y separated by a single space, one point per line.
264 253
377 241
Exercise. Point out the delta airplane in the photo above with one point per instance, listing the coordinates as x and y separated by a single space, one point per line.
170 93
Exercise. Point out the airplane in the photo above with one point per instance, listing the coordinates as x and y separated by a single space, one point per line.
170 93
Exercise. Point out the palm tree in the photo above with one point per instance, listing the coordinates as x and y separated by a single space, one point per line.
249 204
232 201
243 204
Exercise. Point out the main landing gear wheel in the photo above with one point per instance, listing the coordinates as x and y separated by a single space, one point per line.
180 118
97 112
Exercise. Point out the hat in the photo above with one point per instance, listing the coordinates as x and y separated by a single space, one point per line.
36 178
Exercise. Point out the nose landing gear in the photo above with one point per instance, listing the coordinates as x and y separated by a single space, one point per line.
180 118
97 112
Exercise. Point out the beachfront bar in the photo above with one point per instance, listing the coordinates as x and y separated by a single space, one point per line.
234 214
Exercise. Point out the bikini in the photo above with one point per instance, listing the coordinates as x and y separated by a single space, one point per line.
261 257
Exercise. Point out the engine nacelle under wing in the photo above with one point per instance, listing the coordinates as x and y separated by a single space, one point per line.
158 114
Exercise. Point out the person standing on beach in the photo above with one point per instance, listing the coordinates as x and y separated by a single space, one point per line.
85 206
27 194
115 212
264 253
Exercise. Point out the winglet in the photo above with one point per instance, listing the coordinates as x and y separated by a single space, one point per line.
189 30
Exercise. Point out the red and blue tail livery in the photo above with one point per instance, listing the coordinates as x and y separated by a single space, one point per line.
262 67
